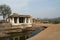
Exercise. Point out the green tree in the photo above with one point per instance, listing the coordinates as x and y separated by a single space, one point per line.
5 10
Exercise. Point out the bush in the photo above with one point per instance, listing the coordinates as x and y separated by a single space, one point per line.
55 21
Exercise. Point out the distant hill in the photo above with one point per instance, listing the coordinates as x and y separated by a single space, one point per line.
58 19
53 20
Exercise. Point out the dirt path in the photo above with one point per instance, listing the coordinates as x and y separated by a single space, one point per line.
51 33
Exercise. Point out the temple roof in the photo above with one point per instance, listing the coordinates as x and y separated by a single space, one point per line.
18 15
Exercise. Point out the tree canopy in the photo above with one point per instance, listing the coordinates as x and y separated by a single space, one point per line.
5 10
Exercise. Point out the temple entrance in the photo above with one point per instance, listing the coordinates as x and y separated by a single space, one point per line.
21 20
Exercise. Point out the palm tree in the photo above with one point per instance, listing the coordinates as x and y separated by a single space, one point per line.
5 10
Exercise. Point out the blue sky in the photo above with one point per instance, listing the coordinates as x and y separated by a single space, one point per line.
36 8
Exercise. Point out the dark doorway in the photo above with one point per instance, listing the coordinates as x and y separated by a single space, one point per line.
21 20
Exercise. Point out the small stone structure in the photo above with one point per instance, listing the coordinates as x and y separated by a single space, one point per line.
21 20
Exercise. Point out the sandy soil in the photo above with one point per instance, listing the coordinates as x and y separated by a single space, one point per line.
51 33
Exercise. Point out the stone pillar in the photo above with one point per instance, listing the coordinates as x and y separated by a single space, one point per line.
12 20
18 20
25 20
29 21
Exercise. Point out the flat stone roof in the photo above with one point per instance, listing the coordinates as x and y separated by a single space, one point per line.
18 15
